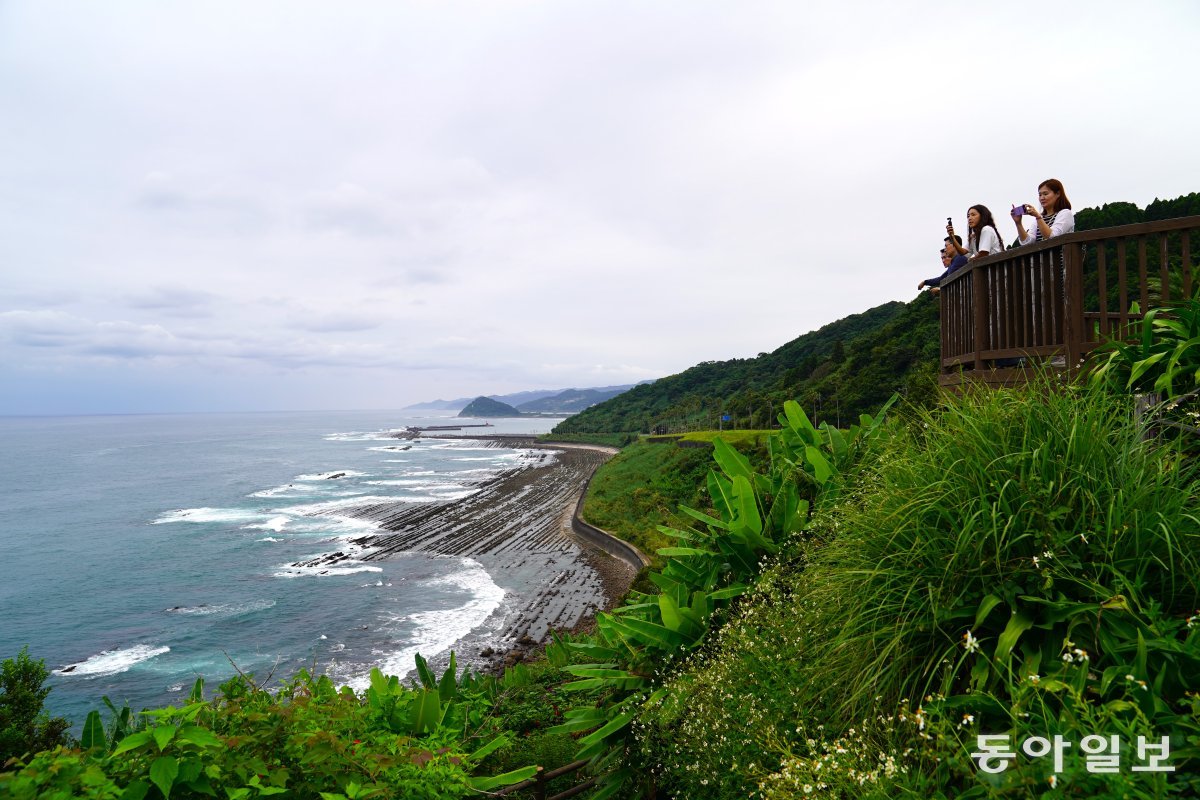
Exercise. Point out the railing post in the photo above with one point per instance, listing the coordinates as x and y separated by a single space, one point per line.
979 301
1073 300
539 786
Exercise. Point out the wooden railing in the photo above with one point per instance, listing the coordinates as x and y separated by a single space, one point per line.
1053 302
539 782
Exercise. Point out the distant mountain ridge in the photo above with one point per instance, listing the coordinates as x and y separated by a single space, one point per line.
539 401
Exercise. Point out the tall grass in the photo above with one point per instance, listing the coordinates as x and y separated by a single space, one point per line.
1018 516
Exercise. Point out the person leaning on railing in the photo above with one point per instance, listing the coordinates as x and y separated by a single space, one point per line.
1056 218
950 261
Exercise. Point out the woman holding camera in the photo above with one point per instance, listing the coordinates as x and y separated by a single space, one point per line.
983 238
1056 218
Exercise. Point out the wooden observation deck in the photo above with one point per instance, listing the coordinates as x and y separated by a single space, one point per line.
1055 301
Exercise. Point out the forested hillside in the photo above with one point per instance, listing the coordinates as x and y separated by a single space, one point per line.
850 366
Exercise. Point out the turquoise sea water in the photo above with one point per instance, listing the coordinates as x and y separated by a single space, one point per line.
139 552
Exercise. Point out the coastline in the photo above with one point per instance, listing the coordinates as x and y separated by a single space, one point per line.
522 527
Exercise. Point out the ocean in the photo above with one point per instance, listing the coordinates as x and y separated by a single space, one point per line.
140 552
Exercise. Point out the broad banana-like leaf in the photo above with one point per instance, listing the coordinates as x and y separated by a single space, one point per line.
426 712
705 518
683 551
609 728
489 748
642 633
718 491
732 463
608 673
425 673
486 784
93 732
837 442
670 612
747 504
821 469
448 686
799 423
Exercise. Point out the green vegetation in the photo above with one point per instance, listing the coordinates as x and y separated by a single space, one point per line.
1046 527
1111 214
24 726
307 739
1162 357
642 487
606 439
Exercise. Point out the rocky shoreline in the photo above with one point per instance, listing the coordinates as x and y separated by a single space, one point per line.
518 525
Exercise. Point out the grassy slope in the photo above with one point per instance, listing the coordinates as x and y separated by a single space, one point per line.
642 486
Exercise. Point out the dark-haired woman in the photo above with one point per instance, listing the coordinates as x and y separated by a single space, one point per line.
1056 217
983 238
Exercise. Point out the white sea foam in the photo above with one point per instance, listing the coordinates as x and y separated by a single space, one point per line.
269 539
326 526
451 494
282 491
227 515
349 567
333 506
112 662
410 483
333 475
391 448
227 609
362 436
276 524
437 631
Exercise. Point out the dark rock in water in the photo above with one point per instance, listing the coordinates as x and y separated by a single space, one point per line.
487 652
335 475
65 670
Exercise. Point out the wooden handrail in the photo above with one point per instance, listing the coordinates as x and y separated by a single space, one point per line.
1052 301
539 782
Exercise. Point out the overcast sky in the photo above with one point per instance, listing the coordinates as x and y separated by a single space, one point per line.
300 205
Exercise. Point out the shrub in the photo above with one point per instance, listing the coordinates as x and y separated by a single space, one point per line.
24 726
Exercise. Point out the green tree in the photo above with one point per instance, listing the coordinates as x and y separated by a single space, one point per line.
24 726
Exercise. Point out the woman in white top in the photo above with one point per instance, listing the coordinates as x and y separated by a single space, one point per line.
1056 218
983 238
